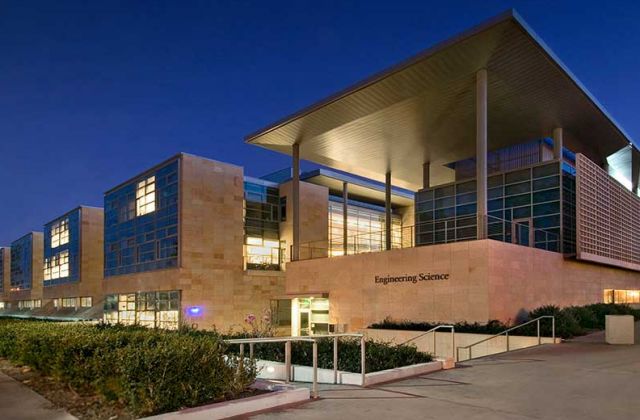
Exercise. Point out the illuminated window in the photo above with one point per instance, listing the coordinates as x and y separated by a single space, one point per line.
56 303
621 296
365 230
70 302
29 304
60 233
262 254
86 302
146 196
149 309
57 266
1 305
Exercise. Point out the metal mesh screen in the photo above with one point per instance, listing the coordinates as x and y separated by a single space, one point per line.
608 218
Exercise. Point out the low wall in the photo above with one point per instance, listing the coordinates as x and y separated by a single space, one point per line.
278 371
444 347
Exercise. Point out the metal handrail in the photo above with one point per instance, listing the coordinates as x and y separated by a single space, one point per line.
507 331
287 353
433 330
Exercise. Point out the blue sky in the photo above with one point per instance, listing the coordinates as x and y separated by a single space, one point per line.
92 93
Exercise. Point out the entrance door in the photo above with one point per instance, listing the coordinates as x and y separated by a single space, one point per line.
522 232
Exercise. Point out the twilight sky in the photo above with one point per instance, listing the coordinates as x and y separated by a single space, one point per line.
93 92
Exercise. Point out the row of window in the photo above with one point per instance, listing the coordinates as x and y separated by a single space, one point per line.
158 309
73 302
58 303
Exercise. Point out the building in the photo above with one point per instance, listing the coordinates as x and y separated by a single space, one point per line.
195 241
56 274
526 188
475 181
25 274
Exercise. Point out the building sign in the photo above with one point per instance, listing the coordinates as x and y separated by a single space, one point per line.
384 280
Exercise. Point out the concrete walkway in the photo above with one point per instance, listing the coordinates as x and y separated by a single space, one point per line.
17 402
565 381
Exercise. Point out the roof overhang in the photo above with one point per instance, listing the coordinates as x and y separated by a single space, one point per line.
358 189
423 110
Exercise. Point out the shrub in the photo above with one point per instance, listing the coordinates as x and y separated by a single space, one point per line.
150 370
378 355
570 322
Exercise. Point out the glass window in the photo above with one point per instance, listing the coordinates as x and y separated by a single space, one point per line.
86 302
57 266
60 233
263 210
149 309
621 296
21 265
140 244
366 231
146 196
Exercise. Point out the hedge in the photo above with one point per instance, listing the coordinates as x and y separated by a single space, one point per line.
151 371
571 321
378 355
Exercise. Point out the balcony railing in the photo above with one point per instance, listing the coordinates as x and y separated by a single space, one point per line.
457 229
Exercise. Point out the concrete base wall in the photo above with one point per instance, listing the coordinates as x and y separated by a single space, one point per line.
472 281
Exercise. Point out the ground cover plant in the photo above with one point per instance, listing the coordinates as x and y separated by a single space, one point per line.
151 371
571 321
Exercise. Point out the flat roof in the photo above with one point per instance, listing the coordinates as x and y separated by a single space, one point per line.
423 110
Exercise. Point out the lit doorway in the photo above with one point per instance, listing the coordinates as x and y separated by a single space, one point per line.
309 316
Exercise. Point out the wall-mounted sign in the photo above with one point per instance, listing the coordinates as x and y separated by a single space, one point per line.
384 280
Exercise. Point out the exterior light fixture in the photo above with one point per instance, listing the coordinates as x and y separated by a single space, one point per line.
194 310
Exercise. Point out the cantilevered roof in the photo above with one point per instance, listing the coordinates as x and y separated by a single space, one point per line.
359 189
424 109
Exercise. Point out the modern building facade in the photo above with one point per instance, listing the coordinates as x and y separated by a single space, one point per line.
473 182
56 274
526 188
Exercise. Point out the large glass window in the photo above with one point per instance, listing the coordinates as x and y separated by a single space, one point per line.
141 223
57 266
149 309
21 269
365 229
524 199
146 196
622 296
262 214
62 249
60 233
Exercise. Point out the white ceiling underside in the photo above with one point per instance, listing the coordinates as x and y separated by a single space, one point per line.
424 110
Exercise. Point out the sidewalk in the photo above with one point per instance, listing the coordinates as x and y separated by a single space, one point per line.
17 402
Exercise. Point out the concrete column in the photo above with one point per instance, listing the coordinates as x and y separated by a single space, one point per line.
345 217
295 252
387 210
635 170
557 143
426 177
481 151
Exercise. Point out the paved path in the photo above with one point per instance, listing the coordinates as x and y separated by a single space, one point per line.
566 381
17 402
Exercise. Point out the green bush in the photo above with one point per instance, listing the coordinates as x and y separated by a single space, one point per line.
570 322
491 327
150 370
378 355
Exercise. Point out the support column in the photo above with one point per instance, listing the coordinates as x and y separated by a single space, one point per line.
481 152
426 176
387 210
345 217
557 143
295 187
